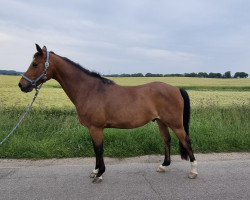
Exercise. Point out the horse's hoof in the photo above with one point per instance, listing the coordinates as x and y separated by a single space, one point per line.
192 175
93 175
97 180
161 169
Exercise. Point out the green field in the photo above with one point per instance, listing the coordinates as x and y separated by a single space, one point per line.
219 121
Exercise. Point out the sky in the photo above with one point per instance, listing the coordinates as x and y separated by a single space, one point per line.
129 36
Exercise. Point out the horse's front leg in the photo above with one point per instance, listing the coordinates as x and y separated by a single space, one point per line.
97 139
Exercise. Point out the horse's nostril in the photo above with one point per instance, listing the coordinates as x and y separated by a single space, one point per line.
20 85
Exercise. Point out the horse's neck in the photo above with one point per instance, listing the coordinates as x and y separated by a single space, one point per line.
74 82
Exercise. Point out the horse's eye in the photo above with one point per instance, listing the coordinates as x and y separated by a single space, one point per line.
35 64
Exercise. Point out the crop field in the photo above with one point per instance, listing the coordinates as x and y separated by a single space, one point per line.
220 119
223 92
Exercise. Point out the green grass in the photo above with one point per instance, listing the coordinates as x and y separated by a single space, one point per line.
49 133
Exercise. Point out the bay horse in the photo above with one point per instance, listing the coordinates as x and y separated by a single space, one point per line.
101 103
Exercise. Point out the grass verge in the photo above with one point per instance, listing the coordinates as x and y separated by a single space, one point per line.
56 133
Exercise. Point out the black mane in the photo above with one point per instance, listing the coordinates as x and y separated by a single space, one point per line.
90 73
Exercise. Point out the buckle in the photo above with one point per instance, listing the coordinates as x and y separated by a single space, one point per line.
46 65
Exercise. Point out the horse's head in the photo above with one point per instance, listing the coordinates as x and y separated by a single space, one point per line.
37 72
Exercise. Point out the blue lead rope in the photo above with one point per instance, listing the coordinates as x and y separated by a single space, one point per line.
24 115
33 83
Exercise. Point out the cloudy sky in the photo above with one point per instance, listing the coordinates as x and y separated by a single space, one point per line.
129 36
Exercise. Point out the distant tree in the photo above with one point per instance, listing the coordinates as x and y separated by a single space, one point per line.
202 75
240 75
125 75
148 75
211 75
10 72
214 75
227 75
137 75
193 74
190 74
244 75
218 75
237 75
173 75
153 75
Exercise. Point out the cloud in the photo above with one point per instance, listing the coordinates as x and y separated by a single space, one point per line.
5 37
163 54
160 58
129 36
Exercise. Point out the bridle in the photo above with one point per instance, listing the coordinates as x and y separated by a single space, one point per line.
43 75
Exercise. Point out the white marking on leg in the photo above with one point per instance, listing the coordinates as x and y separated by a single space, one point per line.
194 167
161 168
95 171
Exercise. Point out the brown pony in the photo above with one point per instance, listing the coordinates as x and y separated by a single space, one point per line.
101 103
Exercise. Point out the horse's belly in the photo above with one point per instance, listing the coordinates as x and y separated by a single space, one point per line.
125 125
128 121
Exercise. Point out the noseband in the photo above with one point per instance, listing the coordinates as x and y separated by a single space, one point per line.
43 75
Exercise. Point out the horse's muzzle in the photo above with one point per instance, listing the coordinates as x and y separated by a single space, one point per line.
25 88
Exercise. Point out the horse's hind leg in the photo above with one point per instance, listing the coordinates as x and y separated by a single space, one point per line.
186 150
97 139
167 140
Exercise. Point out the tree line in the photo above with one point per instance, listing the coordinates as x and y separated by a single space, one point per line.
10 72
193 74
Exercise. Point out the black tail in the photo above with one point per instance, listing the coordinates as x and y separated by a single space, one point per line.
186 119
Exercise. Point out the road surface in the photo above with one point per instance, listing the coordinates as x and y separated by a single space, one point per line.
220 177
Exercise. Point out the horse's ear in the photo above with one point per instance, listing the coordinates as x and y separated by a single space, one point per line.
38 48
45 48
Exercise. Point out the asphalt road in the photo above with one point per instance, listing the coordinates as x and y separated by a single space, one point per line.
229 179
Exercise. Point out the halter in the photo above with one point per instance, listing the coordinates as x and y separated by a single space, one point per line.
43 75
